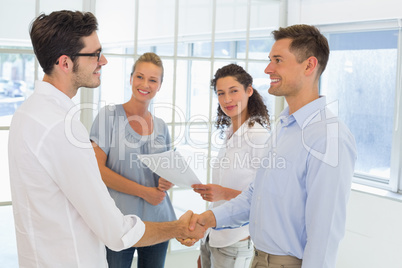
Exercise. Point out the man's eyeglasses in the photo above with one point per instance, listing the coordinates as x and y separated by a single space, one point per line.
98 55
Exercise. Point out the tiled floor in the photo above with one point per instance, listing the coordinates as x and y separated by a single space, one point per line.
8 246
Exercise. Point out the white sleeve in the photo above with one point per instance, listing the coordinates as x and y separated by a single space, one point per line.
75 170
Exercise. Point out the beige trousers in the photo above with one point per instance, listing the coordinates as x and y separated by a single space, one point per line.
262 259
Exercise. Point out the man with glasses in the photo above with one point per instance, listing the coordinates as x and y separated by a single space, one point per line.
63 213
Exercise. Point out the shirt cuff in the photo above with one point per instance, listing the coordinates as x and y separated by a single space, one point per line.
221 216
135 233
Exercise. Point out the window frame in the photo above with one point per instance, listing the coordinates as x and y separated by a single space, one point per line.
395 181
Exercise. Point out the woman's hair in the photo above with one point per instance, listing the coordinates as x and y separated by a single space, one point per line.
256 108
60 33
149 57
307 41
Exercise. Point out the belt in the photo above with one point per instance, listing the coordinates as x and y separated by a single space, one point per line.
278 259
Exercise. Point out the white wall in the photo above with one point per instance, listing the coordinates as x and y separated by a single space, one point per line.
337 11
373 233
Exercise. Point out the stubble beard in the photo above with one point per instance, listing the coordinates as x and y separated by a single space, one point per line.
81 80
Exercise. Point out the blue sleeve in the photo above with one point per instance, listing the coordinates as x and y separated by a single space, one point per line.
328 184
236 212
102 127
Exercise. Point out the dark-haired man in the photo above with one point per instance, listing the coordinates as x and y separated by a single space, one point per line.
63 213
297 209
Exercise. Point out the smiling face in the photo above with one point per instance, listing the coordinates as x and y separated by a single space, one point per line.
146 81
87 69
285 72
233 98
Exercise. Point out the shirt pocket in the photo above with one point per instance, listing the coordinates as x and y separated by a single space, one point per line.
277 179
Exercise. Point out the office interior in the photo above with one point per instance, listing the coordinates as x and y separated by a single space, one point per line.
363 82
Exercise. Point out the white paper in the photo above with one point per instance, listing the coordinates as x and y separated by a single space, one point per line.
171 166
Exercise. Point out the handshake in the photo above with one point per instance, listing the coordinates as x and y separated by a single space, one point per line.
192 226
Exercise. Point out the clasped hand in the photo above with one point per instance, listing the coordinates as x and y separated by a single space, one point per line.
196 224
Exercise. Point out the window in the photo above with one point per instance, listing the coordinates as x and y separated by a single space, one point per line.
361 78
16 84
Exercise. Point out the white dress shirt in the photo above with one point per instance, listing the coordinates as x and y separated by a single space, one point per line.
297 204
235 167
64 215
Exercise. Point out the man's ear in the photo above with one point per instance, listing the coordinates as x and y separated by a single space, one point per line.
64 63
311 65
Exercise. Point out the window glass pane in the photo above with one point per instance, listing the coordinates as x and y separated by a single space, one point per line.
197 134
360 78
144 49
182 89
260 20
258 48
166 50
48 6
115 80
156 24
179 134
5 193
200 88
202 49
162 102
231 15
15 18
16 83
116 23
195 19
224 49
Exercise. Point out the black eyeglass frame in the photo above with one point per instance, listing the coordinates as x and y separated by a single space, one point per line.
97 54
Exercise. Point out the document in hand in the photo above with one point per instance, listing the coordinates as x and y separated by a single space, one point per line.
171 166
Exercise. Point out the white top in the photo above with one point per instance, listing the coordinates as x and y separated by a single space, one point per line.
235 167
64 215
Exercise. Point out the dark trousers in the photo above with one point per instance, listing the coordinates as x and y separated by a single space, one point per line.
148 257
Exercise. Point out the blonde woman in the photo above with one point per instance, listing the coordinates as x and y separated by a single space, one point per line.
119 134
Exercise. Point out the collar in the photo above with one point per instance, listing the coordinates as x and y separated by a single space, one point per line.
47 89
305 114
240 131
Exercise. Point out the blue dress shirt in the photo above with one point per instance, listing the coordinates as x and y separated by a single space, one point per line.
297 203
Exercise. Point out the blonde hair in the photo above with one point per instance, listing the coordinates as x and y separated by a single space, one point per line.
149 57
